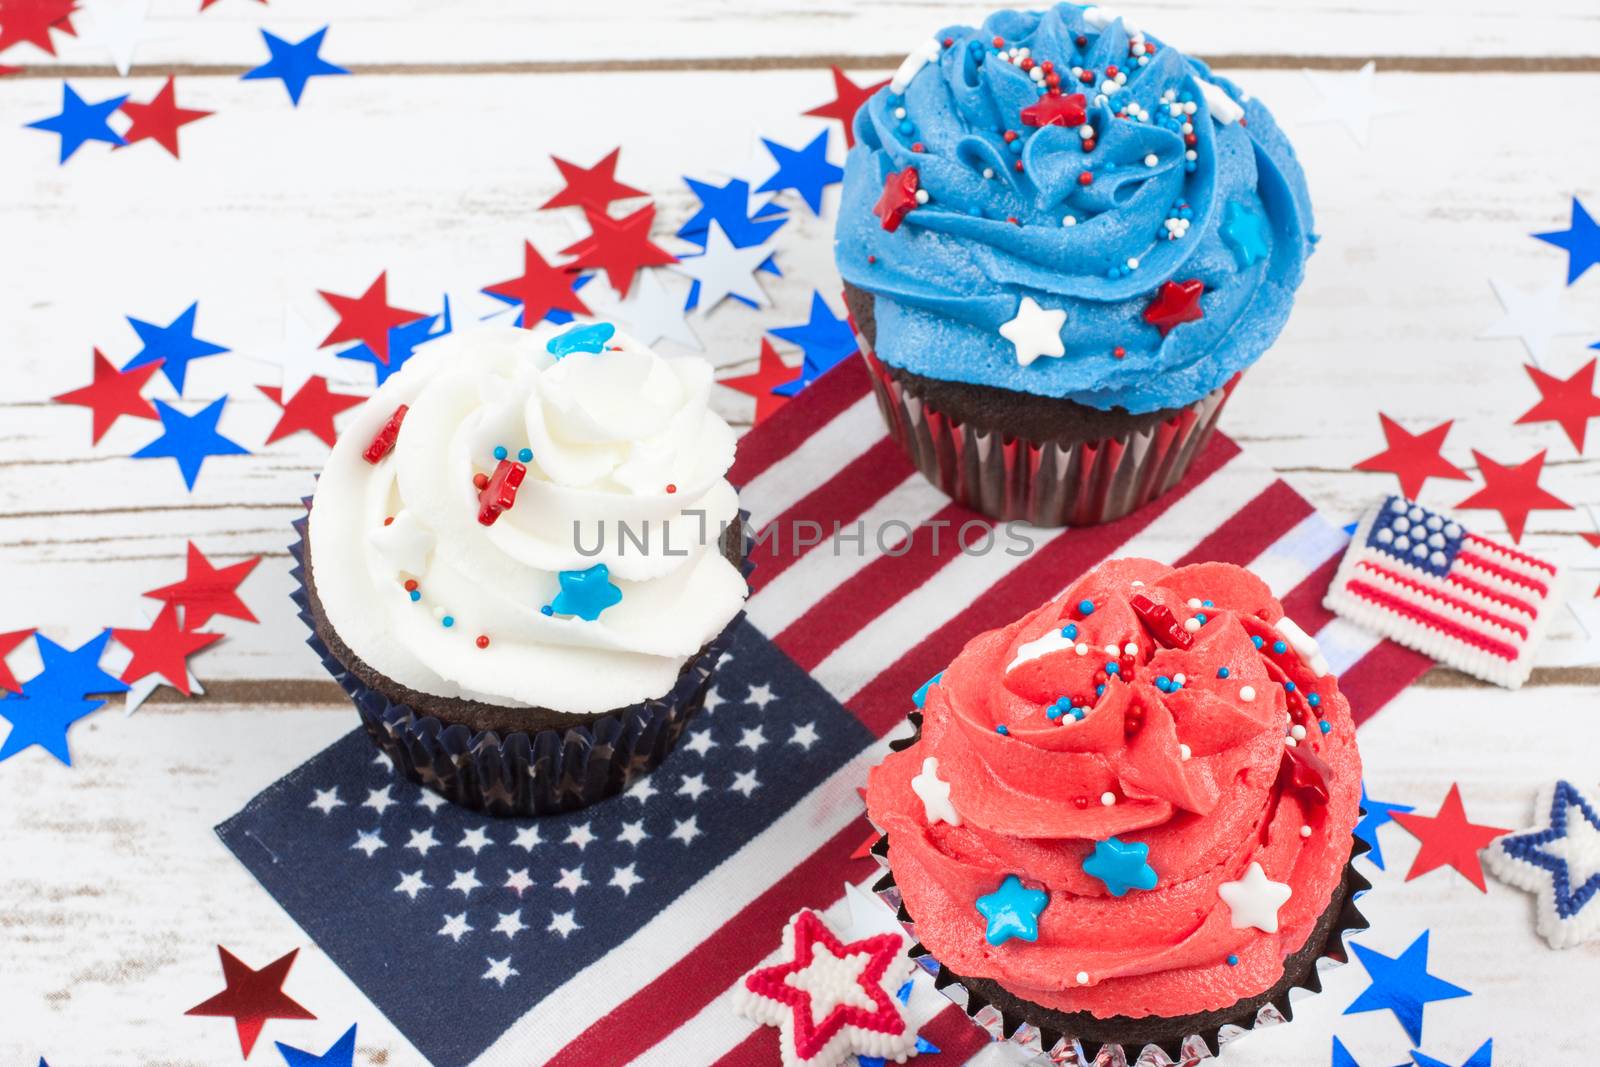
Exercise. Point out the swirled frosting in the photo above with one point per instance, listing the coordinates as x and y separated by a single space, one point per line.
1214 757
624 466
1167 174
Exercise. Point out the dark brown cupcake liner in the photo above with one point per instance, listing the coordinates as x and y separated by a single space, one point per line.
1067 1050
519 774
1046 483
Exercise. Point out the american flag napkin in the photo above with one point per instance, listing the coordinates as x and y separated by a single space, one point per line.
614 934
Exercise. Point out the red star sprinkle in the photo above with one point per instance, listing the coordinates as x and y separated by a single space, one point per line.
367 318
771 373
383 441
252 997
1175 303
618 246
163 649
594 186
207 591
499 493
312 408
541 289
8 642
1448 839
1513 492
1414 458
32 21
847 100
1056 110
899 197
160 119
1569 401
113 393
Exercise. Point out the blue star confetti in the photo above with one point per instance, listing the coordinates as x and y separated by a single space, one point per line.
1342 1057
80 122
1484 1057
806 170
1549 860
294 64
189 439
1374 814
1402 985
342 1053
1013 911
924 1046
590 338
1244 230
174 344
1121 865
404 340
57 697
727 205
585 593
826 341
1581 240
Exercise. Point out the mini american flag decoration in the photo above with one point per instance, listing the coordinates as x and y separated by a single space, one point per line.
1422 579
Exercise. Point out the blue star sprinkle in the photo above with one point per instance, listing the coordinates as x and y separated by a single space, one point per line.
825 340
1121 865
175 344
1013 911
80 122
806 171
585 593
57 697
920 697
189 439
294 64
1245 232
1581 239
1548 860
341 1054
1402 985
1484 1057
403 343
1374 814
591 338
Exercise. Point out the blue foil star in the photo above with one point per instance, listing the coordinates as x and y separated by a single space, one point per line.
1581 239
1375 814
590 338
294 64
80 122
175 344
341 1054
727 205
1013 911
1546 860
1402 985
585 593
189 439
924 1046
1121 865
806 171
57 697
1484 1057
825 340
1245 232
920 697
1342 1057
403 343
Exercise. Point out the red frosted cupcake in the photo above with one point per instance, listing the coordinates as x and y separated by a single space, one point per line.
1127 817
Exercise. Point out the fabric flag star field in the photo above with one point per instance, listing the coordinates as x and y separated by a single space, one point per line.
618 931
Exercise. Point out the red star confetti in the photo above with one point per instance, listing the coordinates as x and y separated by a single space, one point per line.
312 408
1513 492
899 197
252 997
8 642
163 649
207 591
160 119
4 70
32 21
593 187
1175 303
541 289
367 318
1413 458
771 373
207 3
1571 402
847 100
112 394
1448 839
620 247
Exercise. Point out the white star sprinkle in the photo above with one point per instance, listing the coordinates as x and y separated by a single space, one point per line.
368 841
527 837
724 270
411 884
935 794
572 880
455 927
580 835
752 738
624 879
686 830
1349 99
422 840
510 924
465 882
693 785
699 743
744 782
326 800
518 881
1035 332
1254 900
378 800
805 735
562 922
632 833
500 971
760 696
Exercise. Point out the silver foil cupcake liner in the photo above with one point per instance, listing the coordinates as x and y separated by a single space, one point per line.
1067 1050
521 774
1044 483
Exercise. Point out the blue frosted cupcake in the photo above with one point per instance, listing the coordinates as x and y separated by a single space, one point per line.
1062 241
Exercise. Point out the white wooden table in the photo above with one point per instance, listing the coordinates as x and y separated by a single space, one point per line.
430 163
